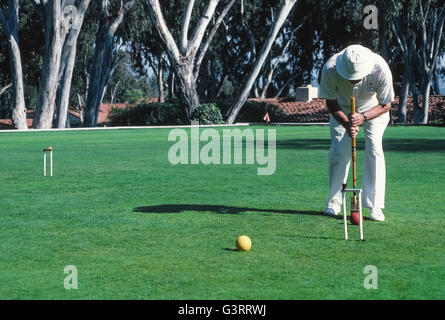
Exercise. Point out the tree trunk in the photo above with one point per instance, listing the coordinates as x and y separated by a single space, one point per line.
383 35
242 97
417 109
81 108
292 78
171 86
425 103
67 65
403 99
113 92
182 59
160 81
11 27
274 65
54 36
268 80
55 32
436 87
65 86
432 22
187 88
101 64
256 92
220 86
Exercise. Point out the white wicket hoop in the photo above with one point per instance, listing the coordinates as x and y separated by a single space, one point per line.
50 149
359 195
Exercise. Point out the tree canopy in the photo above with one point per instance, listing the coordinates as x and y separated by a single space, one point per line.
206 50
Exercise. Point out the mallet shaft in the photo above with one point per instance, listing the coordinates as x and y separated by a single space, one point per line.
354 155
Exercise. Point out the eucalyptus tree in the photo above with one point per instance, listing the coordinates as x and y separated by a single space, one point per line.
418 29
55 29
68 58
275 27
103 61
10 25
185 52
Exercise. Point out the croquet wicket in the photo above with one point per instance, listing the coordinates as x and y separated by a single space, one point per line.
50 149
345 220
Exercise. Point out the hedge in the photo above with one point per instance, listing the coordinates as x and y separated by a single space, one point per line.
152 114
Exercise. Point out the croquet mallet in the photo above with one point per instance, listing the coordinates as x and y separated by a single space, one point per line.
354 202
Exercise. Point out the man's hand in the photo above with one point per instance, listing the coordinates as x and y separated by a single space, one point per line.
357 119
352 131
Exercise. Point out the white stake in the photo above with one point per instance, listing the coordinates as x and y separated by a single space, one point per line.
50 149
44 162
345 220
51 163
361 215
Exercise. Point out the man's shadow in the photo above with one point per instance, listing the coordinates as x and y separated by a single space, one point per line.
221 209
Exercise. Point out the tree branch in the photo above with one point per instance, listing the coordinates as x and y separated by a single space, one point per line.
274 65
120 14
128 5
211 35
292 78
104 8
36 3
164 33
438 36
2 90
198 34
2 18
153 66
399 36
185 25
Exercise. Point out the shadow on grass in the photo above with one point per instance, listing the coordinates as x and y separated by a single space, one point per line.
401 145
326 238
220 209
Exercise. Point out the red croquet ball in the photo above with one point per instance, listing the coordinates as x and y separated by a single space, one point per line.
355 218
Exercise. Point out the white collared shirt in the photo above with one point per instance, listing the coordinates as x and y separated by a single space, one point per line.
374 89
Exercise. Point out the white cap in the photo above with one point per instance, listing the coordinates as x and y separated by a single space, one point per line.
355 62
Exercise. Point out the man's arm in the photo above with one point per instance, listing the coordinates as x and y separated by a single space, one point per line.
335 110
384 94
358 118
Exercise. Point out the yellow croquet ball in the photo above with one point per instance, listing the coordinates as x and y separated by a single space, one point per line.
243 243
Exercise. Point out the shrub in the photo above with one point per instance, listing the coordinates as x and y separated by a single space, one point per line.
153 114
207 113
133 95
148 114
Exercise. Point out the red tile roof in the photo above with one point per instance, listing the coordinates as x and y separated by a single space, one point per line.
436 109
316 110
300 111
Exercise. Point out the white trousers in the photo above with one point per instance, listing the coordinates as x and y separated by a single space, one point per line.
374 173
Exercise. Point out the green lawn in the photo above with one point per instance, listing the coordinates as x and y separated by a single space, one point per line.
137 227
